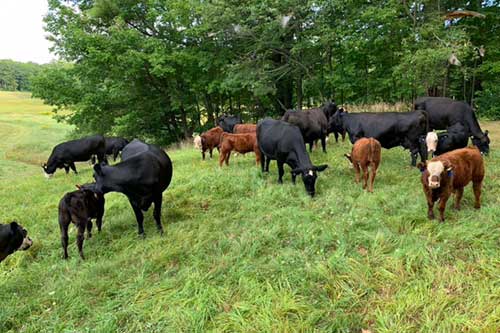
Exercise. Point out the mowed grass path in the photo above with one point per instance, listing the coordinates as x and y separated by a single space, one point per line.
244 254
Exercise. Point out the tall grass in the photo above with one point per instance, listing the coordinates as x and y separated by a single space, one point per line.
243 254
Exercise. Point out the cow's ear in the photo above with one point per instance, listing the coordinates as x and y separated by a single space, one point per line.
98 169
320 168
486 133
78 186
421 166
14 226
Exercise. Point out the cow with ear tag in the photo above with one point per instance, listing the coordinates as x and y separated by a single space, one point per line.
283 142
450 173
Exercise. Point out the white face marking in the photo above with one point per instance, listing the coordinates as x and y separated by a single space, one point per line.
48 175
27 242
311 173
431 140
435 170
197 142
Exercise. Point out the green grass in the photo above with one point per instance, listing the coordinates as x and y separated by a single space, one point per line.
244 254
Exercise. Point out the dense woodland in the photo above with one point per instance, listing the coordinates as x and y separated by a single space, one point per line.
17 76
161 69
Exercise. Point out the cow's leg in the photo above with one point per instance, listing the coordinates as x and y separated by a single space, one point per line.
100 214
343 136
92 159
262 162
89 229
458 197
311 146
221 158
257 156
477 193
64 221
413 158
364 167
281 172
268 161
228 155
79 238
323 143
157 213
73 167
139 216
356 171
203 154
442 206
372 176
115 154
211 152
430 209
66 168
336 134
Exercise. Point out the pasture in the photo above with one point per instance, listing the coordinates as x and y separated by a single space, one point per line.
242 253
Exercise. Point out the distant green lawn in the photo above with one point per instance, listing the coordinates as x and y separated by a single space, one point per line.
244 254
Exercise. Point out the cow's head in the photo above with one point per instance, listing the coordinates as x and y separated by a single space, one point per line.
431 140
335 122
329 109
436 170
309 176
99 176
16 229
197 142
483 143
48 174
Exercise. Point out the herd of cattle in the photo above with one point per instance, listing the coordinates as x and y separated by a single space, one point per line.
145 170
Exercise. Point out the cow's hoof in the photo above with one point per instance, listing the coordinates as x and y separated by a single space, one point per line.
477 206
142 235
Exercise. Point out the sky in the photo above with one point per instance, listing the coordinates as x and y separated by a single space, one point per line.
22 37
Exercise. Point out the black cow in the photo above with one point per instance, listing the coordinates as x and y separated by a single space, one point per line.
227 122
283 142
313 125
391 129
144 173
454 138
444 112
13 237
115 145
65 154
80 207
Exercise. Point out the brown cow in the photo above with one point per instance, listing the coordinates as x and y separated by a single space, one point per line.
451 172
242 143
209 140
365 153
244 128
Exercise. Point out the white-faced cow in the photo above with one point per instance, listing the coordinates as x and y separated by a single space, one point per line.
144 173
283 142
65 154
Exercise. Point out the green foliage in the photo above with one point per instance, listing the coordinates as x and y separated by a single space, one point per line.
242 253
17 75
162 69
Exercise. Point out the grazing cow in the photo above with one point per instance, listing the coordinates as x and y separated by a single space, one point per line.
227 122
13 237
444 112
242 143
115 145
365 153
283 142
451 172
210 140
80 207
144 173
244 128
65 154
454 138
391 129
313 125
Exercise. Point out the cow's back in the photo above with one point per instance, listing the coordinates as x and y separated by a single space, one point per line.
467 165
277 137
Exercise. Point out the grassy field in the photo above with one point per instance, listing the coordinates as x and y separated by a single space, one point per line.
243 254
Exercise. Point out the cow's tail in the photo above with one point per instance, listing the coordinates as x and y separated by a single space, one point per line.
373 150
